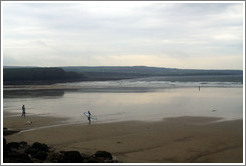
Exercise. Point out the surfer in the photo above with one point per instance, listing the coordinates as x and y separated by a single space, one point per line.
23 111
89 117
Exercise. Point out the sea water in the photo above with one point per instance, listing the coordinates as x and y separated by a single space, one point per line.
126 100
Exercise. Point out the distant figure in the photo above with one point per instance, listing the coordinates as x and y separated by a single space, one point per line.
199 88
23 111
89 117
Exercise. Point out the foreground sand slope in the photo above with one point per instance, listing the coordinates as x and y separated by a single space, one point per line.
182 140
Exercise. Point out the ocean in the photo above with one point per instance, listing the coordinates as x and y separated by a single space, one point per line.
145 99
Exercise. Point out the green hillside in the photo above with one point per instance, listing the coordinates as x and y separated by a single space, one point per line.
39 75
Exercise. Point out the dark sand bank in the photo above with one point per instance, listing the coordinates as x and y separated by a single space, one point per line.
173 140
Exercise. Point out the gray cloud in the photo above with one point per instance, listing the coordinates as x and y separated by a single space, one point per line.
95 33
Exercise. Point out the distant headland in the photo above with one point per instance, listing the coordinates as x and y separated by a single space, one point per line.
49 75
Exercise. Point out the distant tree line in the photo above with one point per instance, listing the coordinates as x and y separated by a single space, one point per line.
39 75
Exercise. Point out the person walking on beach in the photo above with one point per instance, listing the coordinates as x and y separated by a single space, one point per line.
89 117
23 111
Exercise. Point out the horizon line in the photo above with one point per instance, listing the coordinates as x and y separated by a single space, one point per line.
29 66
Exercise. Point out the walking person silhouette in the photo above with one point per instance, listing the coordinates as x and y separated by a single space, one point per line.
89 117
23 111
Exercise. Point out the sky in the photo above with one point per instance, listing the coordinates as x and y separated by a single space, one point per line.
123 33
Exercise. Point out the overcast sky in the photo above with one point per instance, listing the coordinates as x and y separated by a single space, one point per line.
124 33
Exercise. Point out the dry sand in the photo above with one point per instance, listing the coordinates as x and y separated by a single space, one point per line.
173 140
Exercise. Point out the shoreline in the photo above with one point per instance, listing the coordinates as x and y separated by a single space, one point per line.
173 140
37 121
85 85
15 122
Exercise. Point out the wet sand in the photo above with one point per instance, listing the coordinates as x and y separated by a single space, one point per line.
173 140
18 123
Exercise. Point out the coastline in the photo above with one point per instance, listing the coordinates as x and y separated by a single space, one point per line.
16 122
173 140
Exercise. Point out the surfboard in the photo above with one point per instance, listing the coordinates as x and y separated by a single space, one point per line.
92 116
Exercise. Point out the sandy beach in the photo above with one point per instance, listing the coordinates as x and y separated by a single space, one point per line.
173 140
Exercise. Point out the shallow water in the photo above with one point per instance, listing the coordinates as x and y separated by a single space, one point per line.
114 101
